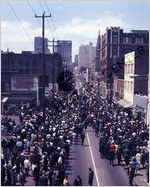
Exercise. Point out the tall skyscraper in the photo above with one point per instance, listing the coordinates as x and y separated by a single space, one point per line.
87 54
64 48
38 46
97 59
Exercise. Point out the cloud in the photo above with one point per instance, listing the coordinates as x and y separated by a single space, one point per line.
78 30
18 37
60 7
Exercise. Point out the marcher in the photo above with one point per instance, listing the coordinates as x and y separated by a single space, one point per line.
78 181
91 177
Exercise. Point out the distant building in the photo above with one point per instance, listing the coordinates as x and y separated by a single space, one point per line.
87 54
64 48
38 45
97 59
76 60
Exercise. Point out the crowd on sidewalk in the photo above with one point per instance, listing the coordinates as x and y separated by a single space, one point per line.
42 146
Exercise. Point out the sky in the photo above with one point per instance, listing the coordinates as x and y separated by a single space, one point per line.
78 21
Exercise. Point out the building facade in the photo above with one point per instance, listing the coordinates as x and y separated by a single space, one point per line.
21 72
97 59
87 54
64 49
38 45
136 73
114 45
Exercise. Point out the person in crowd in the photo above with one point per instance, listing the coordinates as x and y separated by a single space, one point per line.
91 177
78 181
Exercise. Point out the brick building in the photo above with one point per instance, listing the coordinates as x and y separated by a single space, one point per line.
20 72
114 45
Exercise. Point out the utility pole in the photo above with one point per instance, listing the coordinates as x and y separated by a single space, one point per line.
53 49
53 70
43 53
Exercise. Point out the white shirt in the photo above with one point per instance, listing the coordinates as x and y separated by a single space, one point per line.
26 163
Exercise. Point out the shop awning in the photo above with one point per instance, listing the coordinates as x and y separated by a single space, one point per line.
124 103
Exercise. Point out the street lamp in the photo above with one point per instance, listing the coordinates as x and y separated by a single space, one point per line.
37 91
3 102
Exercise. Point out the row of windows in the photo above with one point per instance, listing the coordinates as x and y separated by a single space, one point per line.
27 63
27 71
128 40
129 68
128 86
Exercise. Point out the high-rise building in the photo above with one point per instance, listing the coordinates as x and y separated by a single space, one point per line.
87 55
38 45
64 48
97 59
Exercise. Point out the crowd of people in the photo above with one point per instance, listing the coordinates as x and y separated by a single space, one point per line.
123 136
40 147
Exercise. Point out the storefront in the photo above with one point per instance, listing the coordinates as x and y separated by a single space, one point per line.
140 105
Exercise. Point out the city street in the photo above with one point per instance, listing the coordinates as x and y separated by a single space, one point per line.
75 93
84 157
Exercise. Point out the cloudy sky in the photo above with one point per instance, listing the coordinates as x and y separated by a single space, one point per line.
78 21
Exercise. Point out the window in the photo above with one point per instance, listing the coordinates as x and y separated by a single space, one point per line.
114 50
131 86
127 40
34 63
128 87
27 71
27 63
20 63
20 70
139 40
34 70
131 68
115 39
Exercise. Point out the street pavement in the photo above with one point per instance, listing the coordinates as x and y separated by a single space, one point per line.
83 157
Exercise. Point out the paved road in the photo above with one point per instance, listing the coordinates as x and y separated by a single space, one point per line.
83 157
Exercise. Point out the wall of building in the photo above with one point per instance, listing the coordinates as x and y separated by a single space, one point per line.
28 65
128 71
114 45
64 48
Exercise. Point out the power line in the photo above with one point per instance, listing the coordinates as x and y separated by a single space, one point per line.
33 11
47 20
51 18
19 21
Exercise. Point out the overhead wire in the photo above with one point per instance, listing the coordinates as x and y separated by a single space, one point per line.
24 29
51 19
47 20
33 11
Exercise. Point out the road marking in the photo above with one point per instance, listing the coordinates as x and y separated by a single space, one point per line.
95 171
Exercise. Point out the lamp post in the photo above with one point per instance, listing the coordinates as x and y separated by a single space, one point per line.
37 92
147 103
3 102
